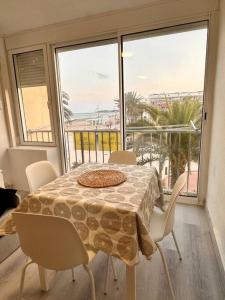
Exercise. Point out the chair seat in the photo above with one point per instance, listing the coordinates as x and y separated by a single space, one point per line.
157 225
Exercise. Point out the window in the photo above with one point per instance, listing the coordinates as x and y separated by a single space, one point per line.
32 91
162 74
163 93
148 98
89 89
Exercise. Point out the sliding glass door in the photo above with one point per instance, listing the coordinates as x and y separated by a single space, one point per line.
161 75
89 89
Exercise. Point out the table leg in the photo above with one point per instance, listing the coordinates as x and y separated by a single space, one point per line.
131 282
43 278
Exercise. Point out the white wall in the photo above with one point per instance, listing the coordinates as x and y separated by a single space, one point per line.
216 183
7 118
21 157
4 143
163 13
4 139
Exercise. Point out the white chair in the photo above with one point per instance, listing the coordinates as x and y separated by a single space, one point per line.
161 224
39 174
122 157
53 243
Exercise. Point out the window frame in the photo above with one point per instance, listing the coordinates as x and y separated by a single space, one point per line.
183 25
200 197
74 45
18 99
180 25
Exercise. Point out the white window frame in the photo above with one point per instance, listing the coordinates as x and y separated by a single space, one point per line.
163 28
56 78
17 100
199 199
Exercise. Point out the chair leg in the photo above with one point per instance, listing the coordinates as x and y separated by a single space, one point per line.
166 270
107 276
113 268
93 296
176 244
73 275
22 279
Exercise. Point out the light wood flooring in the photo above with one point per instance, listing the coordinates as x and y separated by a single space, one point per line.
196 277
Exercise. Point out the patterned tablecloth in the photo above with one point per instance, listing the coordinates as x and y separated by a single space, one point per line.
115 220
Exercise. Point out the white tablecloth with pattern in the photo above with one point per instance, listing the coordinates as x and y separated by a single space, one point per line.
115 220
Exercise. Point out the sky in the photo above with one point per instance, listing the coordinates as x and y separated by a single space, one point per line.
161 64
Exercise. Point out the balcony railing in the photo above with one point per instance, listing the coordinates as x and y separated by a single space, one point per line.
40 136
172 151
91 145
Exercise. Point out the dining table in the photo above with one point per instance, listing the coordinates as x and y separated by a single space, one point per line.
114 219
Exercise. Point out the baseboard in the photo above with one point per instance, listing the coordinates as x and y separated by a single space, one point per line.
215 246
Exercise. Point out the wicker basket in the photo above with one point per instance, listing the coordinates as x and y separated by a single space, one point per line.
101 178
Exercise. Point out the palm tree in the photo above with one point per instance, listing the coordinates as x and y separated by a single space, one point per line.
65 98
133 106
176 144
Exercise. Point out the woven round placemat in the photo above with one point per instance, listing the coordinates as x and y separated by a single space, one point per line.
101 178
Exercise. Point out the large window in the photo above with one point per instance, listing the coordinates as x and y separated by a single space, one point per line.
162 84
163 92
33 97
147 98
89 92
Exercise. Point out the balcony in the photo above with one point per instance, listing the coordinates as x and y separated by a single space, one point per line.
172 151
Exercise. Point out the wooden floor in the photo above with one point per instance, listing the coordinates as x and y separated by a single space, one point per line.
196 277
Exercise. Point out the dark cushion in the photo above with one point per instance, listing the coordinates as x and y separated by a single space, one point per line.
8 199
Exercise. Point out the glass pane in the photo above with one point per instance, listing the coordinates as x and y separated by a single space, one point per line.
89 83
163 92
33 96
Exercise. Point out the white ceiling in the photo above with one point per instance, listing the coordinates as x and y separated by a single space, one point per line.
18 15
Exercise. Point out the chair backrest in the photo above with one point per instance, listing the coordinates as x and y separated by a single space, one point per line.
123 157
170 212
50 241
39 174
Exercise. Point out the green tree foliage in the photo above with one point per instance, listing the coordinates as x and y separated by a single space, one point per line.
171 133
65 98
177 113
133 107
180 147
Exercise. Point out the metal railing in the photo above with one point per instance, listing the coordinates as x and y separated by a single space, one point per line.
91 145
40 136
172 151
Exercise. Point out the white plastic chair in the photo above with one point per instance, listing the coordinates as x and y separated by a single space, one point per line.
161 224
122 157
53 243
39 174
